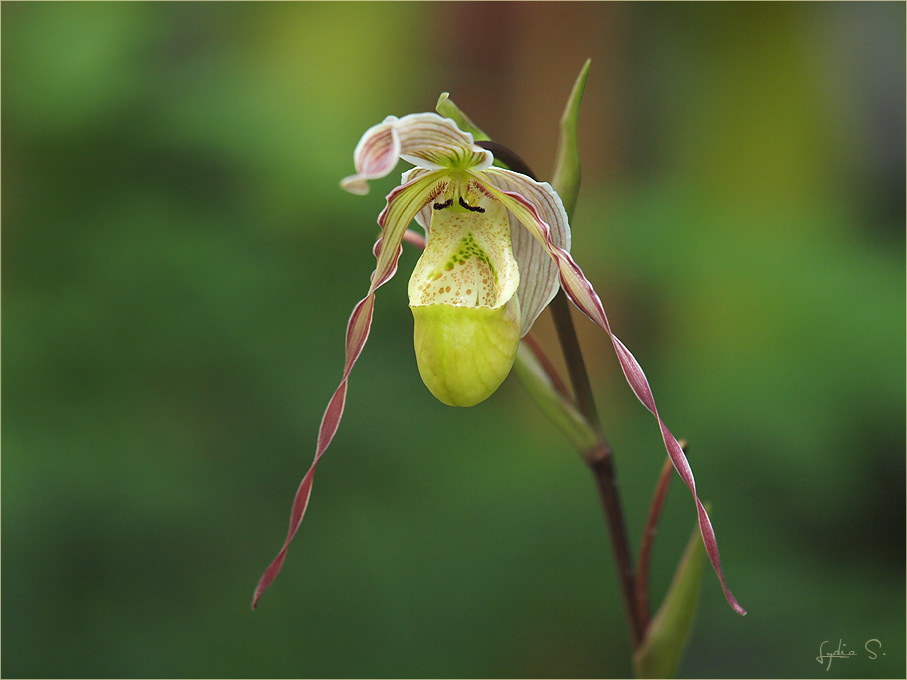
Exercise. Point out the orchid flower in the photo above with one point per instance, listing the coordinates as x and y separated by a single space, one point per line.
497 252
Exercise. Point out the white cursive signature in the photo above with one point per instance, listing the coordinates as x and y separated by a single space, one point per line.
873 648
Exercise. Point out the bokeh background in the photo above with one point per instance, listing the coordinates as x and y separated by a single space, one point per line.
179 264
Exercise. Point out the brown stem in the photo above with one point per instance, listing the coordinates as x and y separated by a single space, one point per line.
606 483
507 157
648 537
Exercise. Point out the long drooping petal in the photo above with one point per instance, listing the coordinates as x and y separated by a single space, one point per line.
402 205
584 296
539 275
356 335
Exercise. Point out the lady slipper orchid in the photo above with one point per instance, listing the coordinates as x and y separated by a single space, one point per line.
483 279
497 251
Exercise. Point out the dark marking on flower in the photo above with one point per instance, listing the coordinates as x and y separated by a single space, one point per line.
473 208
437 191
482 188
445 204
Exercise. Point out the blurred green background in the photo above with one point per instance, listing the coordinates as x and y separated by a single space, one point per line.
179 264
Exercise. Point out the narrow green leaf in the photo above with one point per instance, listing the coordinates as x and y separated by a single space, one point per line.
561 412
447 108
659 654
566 176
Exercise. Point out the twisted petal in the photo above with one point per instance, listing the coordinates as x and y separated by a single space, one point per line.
424 139
583 296
539 278
402 205
356 335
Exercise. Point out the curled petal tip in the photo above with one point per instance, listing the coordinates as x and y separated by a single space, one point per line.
355 184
